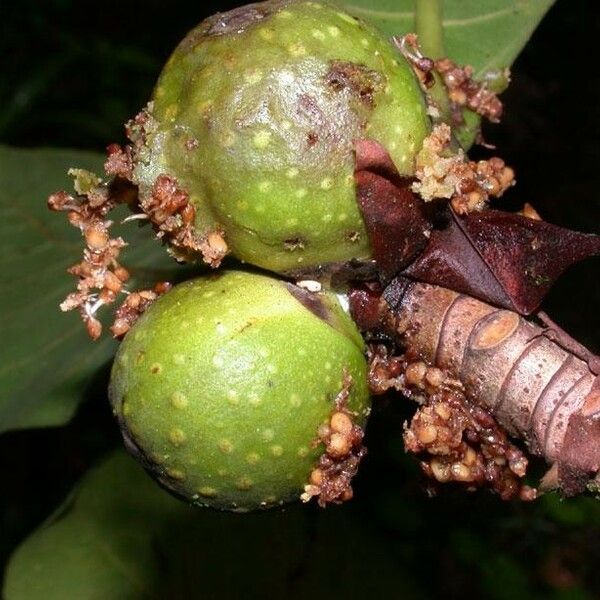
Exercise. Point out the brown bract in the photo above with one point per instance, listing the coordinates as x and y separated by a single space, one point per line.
394 218
330 481
504 258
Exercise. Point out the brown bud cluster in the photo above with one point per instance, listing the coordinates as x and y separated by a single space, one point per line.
173 216
467 184
120 160
100 276
331 479
134 305
463 90
457 440
167 205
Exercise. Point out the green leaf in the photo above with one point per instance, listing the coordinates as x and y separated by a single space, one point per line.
122 537
487 34
46 359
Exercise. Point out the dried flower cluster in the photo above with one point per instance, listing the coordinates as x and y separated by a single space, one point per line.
167 206
468 184
462 89
134 305
120 160
457 440
173 216
331 479
101 277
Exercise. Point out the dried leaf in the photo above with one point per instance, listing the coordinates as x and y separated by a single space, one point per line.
397 227
503 258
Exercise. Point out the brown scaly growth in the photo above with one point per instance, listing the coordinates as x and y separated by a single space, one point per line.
457 440
468 184
167 206
463 90
100 276
331 479
134 305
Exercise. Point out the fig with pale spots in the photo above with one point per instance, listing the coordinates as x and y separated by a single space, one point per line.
255 119
221 387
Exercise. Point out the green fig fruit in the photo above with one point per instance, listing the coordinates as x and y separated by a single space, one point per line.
222 385
255 116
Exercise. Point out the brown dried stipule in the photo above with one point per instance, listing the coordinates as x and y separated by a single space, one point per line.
536 388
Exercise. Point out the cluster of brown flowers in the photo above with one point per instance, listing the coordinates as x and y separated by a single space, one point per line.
167 206
462 89
134 305
331 479
173 216
120 160
456 439
100 276
468 184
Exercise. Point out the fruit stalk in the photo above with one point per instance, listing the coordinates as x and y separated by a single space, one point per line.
538 388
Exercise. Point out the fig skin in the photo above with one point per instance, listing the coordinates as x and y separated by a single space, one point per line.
222 384
255 115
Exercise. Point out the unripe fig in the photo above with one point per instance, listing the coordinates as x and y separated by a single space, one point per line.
223 384
255 116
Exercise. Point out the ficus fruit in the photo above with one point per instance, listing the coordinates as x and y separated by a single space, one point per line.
255 117
221 387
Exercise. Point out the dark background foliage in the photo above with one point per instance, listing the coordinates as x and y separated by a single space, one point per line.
74 71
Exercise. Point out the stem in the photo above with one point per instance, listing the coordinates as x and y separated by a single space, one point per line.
428 25
429 28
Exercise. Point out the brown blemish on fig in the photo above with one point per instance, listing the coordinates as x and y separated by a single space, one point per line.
293 244
239 19
312 138
309 300
362 82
